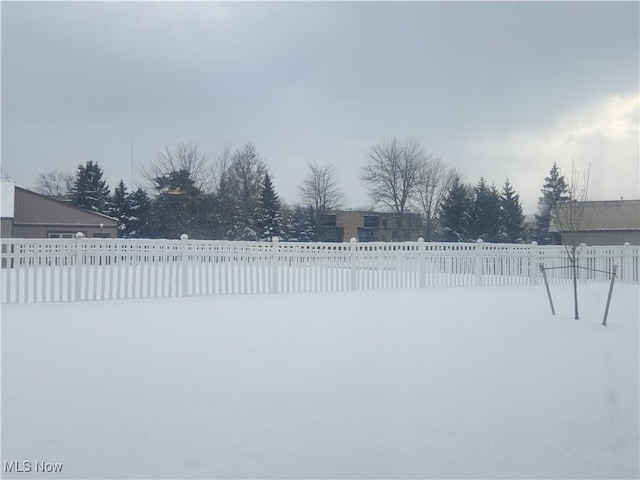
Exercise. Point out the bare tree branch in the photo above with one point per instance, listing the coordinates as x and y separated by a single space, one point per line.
320 189
570 218
392 173
181 157
435 179
54 184
570 215
248 170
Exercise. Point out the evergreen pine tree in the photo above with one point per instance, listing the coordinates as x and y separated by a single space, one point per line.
511 218
312 230
180 207
245 181
89 190
269 220
300 225
554 191
139 213
225 209
120 209
484 213
294 224
454 211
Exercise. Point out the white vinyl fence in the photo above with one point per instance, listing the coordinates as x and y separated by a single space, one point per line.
62 270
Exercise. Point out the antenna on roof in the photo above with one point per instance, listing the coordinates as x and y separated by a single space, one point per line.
131 184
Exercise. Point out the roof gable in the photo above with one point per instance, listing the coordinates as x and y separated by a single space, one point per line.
33 208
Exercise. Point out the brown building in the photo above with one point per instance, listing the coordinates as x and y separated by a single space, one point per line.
613 222
26 214
365 226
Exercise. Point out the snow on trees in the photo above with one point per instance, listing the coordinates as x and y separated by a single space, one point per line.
301 225
269 221
553 191
455 212
511 218
89 190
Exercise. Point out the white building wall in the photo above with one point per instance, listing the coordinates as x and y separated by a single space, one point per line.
7 198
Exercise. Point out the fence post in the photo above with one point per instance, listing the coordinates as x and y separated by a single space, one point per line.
422 262
354 267
478 268
534 268
275 252
184 261
78 266
626 272
582 251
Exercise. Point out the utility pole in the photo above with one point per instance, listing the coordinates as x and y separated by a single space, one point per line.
131 184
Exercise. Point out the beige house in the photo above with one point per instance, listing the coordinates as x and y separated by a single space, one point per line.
613 222
26 214
367 226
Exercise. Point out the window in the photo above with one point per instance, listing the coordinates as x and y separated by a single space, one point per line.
329 221
101 235
332 234
384 223
394 236
371 221
365 235
61 235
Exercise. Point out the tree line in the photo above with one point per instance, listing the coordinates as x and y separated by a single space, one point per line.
234 197
402 178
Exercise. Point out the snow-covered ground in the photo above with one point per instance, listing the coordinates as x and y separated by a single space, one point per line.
419 383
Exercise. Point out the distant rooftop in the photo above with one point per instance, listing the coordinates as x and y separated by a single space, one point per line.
601 215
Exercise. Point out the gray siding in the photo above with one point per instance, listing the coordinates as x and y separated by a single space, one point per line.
37 216
604 238
611 222
6 227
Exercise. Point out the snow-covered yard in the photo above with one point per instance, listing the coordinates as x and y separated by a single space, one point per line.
416 383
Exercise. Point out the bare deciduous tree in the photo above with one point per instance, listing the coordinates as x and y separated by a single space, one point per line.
237 179
181 157
225 194
54 184
392 174
320 190
435 179
180 177
570 218
248 170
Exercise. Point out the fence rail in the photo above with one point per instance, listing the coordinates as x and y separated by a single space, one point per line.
62 270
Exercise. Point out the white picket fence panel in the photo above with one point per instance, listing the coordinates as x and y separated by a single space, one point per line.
62 270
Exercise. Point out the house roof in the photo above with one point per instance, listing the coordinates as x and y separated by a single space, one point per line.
610 215
367 212
31 208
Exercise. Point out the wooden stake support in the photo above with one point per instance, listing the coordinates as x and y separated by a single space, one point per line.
613 279
546 284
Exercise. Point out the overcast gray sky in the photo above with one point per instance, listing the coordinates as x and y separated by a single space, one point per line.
496 89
